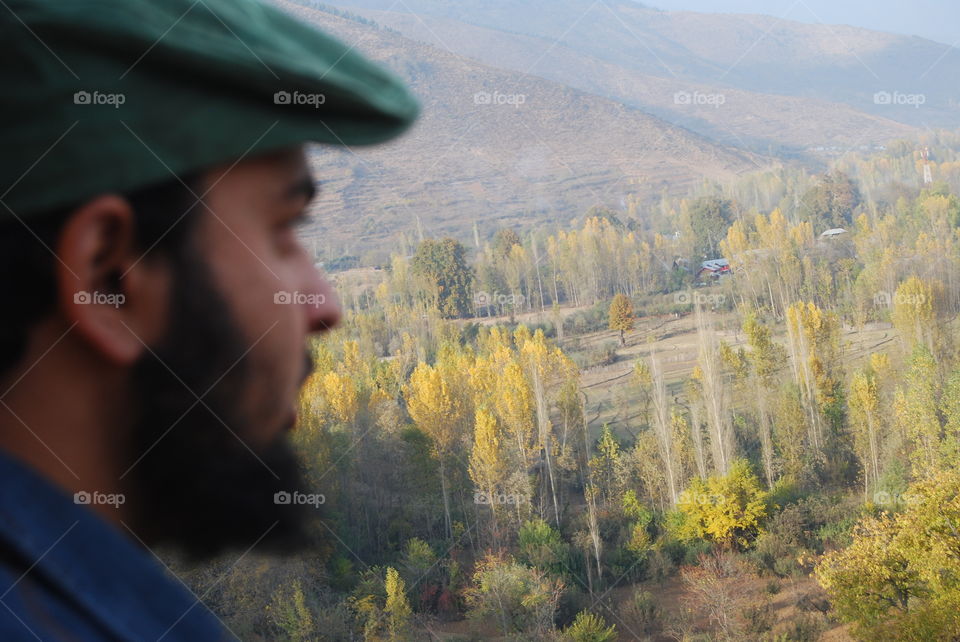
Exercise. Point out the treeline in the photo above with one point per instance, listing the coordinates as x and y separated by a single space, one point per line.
465 473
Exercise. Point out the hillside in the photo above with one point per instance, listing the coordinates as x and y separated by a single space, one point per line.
546 152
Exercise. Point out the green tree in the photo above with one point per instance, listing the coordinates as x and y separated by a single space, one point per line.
831 202
442 267
709 218
541 546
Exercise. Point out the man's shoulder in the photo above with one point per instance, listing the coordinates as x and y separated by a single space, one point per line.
68 574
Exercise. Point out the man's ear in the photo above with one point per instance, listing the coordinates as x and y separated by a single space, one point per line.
113 295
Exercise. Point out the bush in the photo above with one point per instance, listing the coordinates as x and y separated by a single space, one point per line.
641 612
573 600
660 566
603 355
683 553
540 546
807 627
590 628
585 321
759 618
518 598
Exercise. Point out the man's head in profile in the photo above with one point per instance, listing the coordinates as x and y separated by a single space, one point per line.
161 361
158 301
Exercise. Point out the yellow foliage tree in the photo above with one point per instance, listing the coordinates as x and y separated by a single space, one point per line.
725 508
621 316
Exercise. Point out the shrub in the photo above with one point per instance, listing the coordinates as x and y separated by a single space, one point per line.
807 627
519 598
590 628
641 612
540 546
758 618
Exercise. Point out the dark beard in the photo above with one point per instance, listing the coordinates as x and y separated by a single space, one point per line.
198 488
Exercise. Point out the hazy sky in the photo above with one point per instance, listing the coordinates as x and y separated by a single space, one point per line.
934 19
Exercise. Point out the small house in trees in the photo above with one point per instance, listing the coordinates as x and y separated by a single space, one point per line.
713 269
836 231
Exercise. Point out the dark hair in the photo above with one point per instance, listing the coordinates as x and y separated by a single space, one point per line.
164 215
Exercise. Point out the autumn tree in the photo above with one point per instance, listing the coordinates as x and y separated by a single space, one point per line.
813 335
868 424
397 607
917 312
520 599
621 316
766 358
917 410
716 397
588 627
503 242
663 431
900 577
487 461
724 508
439 409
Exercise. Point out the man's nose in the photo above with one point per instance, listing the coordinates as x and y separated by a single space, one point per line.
323 306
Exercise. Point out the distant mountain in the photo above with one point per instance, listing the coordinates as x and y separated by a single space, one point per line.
873 72
495 147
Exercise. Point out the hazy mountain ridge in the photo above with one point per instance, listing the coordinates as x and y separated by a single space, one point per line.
763 54
787 125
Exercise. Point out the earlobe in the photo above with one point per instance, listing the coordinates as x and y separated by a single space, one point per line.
97 280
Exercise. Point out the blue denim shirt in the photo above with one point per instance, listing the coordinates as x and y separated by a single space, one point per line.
67 574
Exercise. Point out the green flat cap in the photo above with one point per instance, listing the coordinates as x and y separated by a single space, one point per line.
111 95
